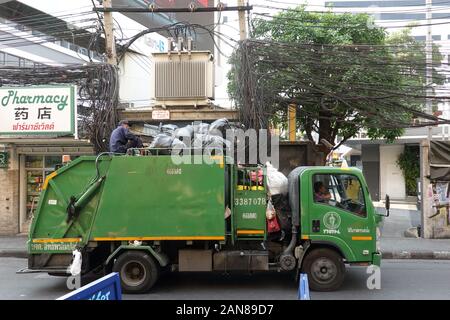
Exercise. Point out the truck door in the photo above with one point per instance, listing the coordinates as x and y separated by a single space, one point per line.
339 215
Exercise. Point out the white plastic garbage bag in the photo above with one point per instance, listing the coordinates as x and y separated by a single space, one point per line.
227 212
270 211
277 182
75 267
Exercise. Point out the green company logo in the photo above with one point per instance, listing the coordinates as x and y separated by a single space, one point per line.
331 220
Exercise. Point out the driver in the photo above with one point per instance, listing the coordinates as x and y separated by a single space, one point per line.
321 193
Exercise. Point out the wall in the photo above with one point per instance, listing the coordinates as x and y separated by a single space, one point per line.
9 195
135 79
435 185
392 181
370 157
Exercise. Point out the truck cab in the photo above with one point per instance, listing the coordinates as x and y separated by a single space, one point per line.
338 222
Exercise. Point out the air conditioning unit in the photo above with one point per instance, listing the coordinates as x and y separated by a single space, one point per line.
183 78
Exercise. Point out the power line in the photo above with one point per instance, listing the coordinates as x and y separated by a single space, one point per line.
411 25
378 83
340 6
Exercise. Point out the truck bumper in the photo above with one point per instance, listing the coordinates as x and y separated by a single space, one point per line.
376 259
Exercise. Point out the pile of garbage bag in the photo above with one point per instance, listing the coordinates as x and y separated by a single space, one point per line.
198 135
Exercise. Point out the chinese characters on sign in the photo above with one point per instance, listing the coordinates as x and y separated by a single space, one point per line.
37 110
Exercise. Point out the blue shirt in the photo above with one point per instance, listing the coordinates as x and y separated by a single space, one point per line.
119 139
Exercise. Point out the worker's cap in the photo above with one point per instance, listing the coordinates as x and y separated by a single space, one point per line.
123 122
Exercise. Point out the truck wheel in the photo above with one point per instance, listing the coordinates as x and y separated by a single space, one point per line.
325 269
137 270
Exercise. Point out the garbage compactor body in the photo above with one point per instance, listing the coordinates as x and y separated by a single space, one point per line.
138 198
142 215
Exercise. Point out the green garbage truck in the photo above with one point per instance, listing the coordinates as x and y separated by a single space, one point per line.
142 215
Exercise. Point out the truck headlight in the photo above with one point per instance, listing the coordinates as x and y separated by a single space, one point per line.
378 238
378 233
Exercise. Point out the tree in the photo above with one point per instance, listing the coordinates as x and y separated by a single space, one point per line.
340 71
409 49
409 162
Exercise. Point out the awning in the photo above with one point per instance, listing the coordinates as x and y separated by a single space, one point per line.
439 158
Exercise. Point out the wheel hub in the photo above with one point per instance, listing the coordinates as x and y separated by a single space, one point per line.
324 270
133 273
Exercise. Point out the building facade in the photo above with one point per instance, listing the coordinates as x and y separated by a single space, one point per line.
28 159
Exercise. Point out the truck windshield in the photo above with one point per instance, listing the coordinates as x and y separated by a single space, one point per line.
340 190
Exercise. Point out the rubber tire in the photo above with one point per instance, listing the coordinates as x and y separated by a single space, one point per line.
151 268
335 258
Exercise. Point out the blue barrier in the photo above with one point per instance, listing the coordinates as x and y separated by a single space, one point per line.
105 288
303 287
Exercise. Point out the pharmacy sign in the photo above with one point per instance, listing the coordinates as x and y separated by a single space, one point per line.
36 110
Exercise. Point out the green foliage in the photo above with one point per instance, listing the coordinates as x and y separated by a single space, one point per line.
301 26
409 162
335 93
413 50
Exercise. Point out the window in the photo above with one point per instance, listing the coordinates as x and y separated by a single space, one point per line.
402 16
342 191
12 60
29 64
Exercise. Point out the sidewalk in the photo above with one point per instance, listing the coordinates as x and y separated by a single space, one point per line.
394 244
415 248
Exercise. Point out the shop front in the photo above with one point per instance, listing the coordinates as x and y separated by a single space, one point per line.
38 126
29 162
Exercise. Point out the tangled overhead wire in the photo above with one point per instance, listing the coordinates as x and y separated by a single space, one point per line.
97 86
379 87
175 30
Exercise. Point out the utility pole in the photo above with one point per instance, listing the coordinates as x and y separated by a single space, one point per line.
109 34
292 121
242 27
425 187
429 63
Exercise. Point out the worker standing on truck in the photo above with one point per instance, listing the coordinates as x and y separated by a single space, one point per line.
122 139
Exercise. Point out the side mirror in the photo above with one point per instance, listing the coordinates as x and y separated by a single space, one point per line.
387 205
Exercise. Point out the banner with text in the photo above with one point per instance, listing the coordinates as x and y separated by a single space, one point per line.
38 110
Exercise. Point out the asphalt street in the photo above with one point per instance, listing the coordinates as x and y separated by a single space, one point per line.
400 279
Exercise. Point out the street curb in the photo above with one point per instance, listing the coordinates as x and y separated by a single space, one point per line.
420 255
13 253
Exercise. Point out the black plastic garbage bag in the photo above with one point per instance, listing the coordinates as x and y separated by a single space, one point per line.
177 146
177 143
151 130
185 132
219 127
169 128
210 141
162 141
201 128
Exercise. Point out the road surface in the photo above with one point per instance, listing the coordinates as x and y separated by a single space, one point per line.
400 279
